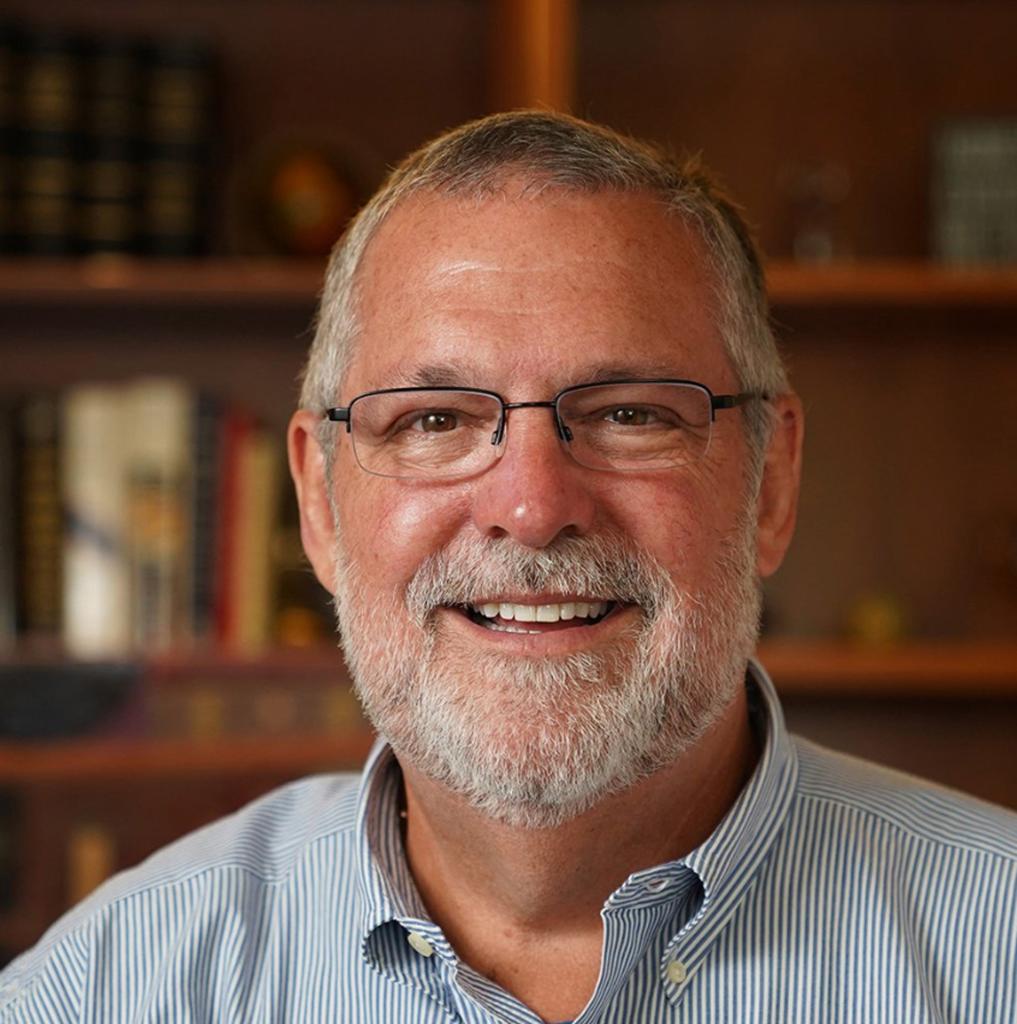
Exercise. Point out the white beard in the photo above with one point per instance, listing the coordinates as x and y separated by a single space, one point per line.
531 742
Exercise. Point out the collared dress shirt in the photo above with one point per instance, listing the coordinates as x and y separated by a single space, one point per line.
833 891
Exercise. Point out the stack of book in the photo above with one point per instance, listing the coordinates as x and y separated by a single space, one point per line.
974 192
147 517
106 143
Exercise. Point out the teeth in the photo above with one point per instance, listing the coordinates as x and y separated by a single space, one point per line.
542 612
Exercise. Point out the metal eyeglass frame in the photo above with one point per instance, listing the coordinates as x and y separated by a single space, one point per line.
342 414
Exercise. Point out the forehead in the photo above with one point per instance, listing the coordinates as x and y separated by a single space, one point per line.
556 288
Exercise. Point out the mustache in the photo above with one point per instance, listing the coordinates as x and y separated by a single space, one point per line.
607 566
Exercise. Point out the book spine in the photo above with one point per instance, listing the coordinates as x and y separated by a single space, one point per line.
10 40
252 577
158 497
110 155
39 536
8 531
206 458
48 127
237 425
177 134
97 619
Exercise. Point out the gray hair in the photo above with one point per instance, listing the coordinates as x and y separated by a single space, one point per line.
560 152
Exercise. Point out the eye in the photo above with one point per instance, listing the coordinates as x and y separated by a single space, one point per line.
630 415
435 422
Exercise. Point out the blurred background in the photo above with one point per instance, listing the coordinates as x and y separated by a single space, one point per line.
172 176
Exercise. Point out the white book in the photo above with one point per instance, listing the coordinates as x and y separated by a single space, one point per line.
97 613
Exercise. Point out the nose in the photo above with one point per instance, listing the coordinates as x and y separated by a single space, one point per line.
535 492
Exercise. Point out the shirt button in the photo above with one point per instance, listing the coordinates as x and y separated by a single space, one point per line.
676 972
657 885
420 944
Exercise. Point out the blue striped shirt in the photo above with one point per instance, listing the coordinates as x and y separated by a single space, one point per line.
832 891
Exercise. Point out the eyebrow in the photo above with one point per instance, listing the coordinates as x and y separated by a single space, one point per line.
631 371
441 375
444 375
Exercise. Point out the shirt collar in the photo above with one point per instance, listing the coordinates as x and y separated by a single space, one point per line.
728 860
725 863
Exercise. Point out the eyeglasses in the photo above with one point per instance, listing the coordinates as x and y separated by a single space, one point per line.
452 433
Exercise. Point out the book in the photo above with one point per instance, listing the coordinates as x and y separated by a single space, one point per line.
158 512
48 126
250 583
176 138
206 461
38 517
304 616
10 38
237 425
974 191
8 530
109 196
97 610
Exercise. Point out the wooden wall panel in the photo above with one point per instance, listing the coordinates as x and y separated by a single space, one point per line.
908 487
762 87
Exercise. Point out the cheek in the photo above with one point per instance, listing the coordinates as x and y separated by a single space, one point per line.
682 523
390 528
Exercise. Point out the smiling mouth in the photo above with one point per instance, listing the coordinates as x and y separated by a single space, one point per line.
511 617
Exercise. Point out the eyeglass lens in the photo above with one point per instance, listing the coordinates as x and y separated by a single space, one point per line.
442 434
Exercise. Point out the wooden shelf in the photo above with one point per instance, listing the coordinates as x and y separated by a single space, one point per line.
799 669
109 282
948 670
116 759
105 282
892 285
799 666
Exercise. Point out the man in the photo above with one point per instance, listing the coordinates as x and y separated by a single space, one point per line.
545 452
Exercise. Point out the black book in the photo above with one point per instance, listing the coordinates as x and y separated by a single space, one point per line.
10 44
109 200
38 516
177 134
48 128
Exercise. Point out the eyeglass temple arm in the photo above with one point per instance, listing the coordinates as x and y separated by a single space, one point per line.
732 401
339 416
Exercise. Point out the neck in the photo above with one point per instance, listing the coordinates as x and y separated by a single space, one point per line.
496 889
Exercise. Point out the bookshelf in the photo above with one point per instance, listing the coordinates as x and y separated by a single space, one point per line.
800 669
902 504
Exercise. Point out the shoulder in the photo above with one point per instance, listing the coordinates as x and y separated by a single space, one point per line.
904 807
207 880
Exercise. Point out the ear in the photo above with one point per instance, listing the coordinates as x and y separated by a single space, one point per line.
777 508
307 467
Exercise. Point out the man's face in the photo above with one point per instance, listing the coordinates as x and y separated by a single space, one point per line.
524 297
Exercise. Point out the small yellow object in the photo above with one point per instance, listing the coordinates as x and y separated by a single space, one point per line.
877 620
298 627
